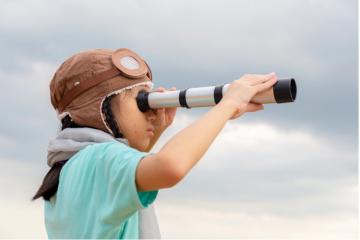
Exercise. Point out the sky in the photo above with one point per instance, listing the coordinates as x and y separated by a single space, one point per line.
289 171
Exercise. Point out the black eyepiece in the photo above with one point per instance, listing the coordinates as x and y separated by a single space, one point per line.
142 101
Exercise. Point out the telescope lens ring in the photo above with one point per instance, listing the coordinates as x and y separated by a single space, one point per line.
285 90
142 101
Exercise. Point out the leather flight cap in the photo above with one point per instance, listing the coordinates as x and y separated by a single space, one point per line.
82 83
125 62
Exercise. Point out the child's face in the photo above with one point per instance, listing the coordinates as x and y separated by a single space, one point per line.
133 123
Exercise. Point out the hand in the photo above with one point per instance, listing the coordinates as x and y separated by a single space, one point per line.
164 116
241 91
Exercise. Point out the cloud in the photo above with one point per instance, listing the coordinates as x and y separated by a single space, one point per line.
263 169
213 221
289 168
21 219
207 43
30 117
19 181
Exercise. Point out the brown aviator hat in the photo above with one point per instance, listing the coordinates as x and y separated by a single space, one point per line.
81 84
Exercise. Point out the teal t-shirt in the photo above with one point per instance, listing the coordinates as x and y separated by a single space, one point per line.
97 195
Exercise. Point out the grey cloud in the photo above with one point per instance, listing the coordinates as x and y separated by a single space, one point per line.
200 43
197 44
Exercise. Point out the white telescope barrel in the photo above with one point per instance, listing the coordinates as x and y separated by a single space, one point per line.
284 90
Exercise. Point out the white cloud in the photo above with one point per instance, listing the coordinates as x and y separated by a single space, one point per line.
293 178
20 218
261 146
199 221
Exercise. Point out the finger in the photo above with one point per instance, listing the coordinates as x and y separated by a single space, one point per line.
256 79
160 89
266 85
171 111
159 110
262 79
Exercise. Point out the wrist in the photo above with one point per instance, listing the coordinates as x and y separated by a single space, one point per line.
230 108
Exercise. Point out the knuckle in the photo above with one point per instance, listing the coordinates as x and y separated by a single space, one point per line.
248 75
239 81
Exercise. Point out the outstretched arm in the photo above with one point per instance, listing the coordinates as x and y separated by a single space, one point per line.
175 159
167 167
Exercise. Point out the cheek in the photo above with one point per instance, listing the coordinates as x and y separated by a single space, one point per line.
132 121
137 127
141 142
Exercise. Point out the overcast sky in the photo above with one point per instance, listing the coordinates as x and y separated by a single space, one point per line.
289 171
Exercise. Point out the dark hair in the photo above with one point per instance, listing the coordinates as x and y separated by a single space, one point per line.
50 182
109 117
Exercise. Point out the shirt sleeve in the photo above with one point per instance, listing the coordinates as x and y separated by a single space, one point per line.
118 170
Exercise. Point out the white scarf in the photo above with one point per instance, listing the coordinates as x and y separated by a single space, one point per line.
71 140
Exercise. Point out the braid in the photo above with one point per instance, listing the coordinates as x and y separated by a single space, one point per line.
67 122
109 117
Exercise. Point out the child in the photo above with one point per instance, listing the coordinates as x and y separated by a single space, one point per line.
103 179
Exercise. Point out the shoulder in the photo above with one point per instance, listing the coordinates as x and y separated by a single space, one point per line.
112 149
107 149
103 153
103 159
112 145
111 153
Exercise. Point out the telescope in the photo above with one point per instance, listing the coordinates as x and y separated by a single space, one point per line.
283 91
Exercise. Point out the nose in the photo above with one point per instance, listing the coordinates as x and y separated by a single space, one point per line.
151 115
